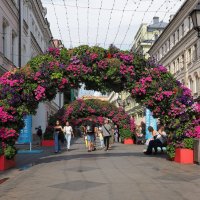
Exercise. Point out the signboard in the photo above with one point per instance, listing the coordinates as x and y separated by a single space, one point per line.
150 121
25 135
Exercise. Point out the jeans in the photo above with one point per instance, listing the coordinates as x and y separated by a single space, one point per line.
106 141
68 139
102 143
56 141
154 144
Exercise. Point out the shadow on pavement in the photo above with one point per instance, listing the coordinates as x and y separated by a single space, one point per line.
94 156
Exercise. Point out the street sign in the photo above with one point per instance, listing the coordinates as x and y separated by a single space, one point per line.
150 121
25 135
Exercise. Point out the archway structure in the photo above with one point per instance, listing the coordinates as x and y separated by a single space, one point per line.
150 84
81 110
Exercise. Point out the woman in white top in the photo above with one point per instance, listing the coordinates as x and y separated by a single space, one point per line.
68 131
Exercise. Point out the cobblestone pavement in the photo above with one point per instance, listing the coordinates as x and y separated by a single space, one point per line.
123 173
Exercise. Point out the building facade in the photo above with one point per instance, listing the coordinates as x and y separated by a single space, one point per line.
178 48
35 39
9 29
147 35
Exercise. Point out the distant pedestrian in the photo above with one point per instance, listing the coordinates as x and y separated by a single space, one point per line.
68 132
100 133
39 134
57 131
90 130
106 129
116 133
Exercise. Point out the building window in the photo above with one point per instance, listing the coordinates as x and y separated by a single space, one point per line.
174 39
5 38
174 66
191 84
197 84
156 36
189 23
177 35
189 56
178 64
182 61
13 47
169 68
195 52
182 29
169 44
162 50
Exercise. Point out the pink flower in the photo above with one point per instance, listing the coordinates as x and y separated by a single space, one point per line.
39 92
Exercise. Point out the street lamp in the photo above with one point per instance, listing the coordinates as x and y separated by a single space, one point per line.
125 102
195 15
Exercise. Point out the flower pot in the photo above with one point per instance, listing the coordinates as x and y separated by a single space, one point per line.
47 143
185 156
6 164
128 141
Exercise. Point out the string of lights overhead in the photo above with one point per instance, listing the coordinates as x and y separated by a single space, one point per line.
109 26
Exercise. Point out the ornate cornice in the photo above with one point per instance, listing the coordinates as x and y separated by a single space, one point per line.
41 20
12 8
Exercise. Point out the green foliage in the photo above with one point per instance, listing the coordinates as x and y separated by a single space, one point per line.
10 152
39 60
48 134
188 143
171 150
1 149
125 134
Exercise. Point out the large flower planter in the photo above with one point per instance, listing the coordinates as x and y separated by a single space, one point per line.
47 143
128 141
6 164
185 156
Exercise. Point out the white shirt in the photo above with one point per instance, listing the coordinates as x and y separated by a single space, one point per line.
162 137
68 130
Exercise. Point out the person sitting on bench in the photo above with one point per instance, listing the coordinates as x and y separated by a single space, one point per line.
159 141
140 137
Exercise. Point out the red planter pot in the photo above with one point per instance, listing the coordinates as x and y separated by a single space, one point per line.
185 156
6 164
128 141
47 143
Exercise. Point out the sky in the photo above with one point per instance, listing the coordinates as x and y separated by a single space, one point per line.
104 22
75 24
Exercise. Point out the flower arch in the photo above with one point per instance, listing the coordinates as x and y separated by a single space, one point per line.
150 84
81 110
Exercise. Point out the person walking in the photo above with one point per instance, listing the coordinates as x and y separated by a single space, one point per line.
90 130
39 134
100 134
57 131
106 129
68 132
116 133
